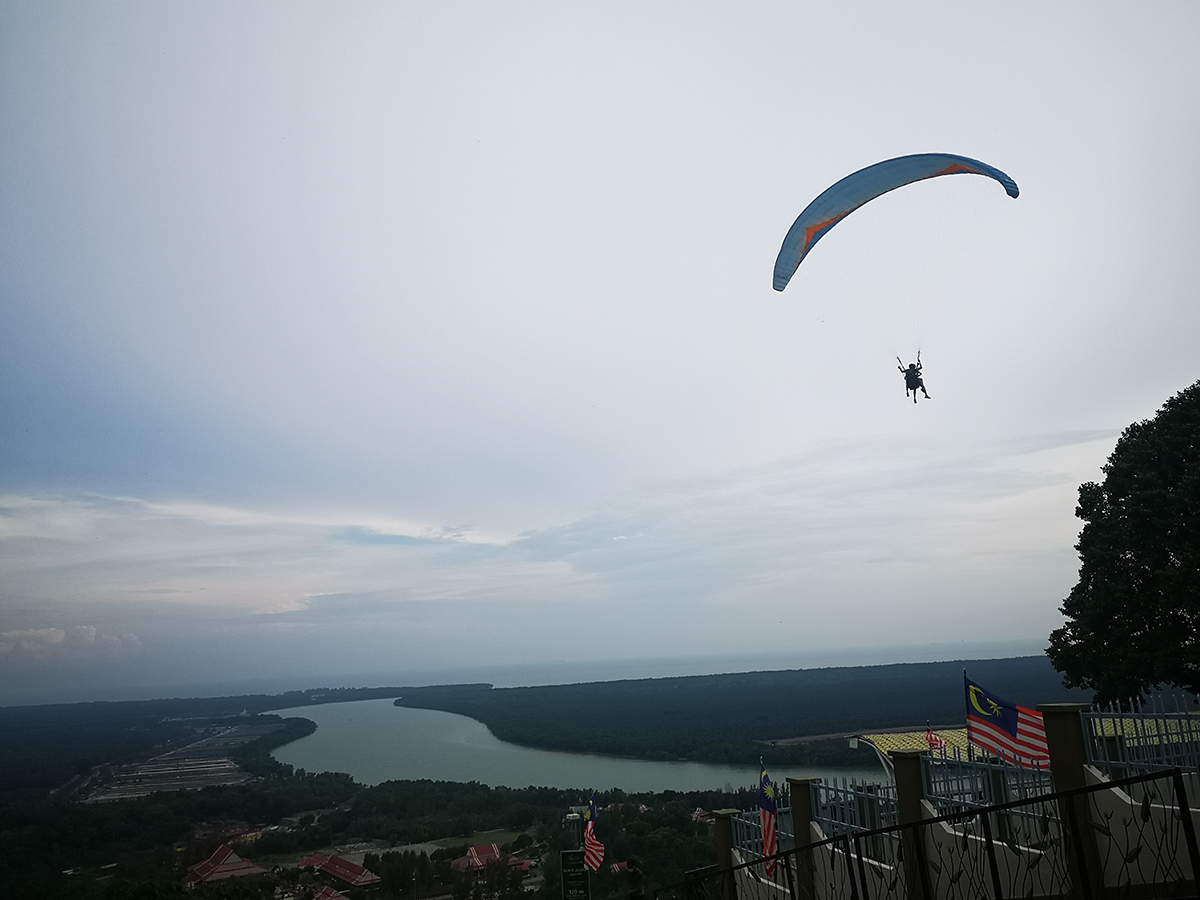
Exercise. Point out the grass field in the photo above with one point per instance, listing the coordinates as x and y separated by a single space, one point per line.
479 838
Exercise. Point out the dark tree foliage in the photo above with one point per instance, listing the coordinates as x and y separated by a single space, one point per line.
733 718
409 874
43 746
153 839
1133 620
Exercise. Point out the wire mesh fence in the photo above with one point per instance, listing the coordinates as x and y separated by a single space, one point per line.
1132 838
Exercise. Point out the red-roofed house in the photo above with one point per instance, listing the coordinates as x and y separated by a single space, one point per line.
221 865
351 873
328 893
480 857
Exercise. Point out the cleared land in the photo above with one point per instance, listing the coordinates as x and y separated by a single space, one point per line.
59 745
167 775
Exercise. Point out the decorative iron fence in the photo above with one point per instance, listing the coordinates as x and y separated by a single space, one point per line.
1094 843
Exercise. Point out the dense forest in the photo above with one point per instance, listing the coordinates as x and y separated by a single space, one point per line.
141 848
43 746
737 718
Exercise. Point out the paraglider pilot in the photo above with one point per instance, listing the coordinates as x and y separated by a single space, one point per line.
912 378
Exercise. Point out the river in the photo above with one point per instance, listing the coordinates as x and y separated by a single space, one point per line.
375 741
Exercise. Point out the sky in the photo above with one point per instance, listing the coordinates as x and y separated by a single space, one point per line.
356 341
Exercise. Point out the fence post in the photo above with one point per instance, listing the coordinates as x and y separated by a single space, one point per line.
801 793
1068 756
910 791
723 833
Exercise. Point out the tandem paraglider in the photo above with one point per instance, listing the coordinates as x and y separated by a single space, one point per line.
912 377
855 190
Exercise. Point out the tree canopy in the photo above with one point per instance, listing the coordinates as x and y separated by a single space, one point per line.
1133 619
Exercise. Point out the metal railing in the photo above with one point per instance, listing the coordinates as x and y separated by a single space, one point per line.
853 806
841 806
1152 735
748 833
955 783
1090 843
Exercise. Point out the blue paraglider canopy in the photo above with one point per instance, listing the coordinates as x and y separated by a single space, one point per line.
838 201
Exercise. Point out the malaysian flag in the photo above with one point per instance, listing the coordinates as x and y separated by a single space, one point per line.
593 850
934 742
1009 731
768 810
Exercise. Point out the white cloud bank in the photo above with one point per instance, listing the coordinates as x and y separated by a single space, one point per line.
945 543
75 642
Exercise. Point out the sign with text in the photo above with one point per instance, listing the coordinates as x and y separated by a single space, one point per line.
575 884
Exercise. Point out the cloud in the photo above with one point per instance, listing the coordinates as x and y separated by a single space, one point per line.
30 640
810 541
72 643
918 503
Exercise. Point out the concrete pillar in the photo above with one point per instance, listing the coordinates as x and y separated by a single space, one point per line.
910 784
573 826
1068 756
723 833
801 791
1064 736
910 791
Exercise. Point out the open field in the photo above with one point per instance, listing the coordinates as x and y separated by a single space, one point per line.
480 837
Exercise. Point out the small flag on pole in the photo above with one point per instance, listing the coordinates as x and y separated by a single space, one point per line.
768 810
593 850
934 742
1009 731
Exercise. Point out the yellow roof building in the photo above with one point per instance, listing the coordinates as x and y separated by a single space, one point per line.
955 738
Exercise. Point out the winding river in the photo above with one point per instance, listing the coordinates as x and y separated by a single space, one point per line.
375 741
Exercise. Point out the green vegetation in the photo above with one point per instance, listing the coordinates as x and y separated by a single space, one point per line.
152 840
140 848
733 718
406 872
43 746
1133 619
256 758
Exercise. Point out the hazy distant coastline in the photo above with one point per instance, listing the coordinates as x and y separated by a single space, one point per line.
542 672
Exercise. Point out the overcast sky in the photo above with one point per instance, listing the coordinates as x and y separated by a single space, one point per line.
396 337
